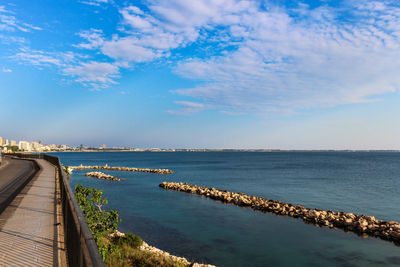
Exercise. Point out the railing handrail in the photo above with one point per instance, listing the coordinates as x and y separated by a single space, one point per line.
87 254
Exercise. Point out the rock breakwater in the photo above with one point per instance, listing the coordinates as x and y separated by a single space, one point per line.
361 224
101 175
129 169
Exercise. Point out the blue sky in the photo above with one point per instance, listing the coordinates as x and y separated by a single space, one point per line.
215 74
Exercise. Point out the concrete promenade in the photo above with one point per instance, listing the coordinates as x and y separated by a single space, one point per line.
29 226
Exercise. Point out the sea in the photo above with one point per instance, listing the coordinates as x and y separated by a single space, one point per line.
208 231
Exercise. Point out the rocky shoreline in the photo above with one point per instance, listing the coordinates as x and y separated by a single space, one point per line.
101 175
129 169
361 224
159 252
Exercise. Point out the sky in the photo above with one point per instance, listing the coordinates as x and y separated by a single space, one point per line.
201 74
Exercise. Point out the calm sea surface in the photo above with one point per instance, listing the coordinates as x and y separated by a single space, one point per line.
226 235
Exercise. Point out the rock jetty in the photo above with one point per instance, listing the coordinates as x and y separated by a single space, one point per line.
101 175
129 169
361 224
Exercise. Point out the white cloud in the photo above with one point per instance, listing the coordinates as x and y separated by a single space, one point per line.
95 2
187 108
127 49
9 22
37 58
32 27
7 39
3 9
313 60
167 26
95 74
94 38
4 69
249 56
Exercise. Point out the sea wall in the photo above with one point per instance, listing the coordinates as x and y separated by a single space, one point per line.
101 175
360 224
129 169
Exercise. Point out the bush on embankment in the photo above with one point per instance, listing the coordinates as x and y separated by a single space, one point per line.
116 250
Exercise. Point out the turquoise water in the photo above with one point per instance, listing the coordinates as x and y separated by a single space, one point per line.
226 235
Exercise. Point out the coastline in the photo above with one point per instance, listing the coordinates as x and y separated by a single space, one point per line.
232 150
162 253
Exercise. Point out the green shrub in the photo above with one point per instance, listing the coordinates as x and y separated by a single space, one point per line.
116 251
91 202
67 170
129 239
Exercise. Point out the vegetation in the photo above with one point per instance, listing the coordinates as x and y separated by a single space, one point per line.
116 250
129 239
67 170
10 148
99 221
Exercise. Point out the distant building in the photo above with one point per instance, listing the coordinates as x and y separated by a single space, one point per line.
1 141
46 148
103 146
53 147
25 146
36 146
6 143
13 143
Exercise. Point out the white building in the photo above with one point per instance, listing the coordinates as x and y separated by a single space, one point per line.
25 146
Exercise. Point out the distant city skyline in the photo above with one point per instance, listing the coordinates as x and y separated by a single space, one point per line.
202 74
37 146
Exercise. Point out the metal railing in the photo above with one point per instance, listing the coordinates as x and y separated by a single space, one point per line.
80 245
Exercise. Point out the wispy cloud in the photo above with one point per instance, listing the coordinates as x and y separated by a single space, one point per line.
187 108
167 26
94 38
4 10
248 56
37 58
266 58
9 22
7 39
4 69
95 2
94 74
295 59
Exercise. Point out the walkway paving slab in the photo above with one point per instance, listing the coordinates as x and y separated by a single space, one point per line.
28 233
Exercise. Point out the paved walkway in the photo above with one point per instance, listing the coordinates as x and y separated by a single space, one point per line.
28 231
12 170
